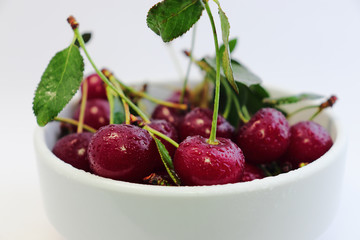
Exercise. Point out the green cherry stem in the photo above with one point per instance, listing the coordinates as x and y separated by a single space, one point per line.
182 96
75 123
82 107
212 138
109 75
74 26
151 98
157 133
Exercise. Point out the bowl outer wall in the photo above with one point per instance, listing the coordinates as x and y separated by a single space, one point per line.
296 205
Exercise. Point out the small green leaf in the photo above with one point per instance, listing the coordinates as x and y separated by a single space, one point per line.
226 60
172 18
232 46
59 83
117 111
166 159
291 99
86 37
241 73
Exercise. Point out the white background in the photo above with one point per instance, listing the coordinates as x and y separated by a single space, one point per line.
303 45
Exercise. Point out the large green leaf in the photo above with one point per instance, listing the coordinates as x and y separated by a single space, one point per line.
59 83
172 18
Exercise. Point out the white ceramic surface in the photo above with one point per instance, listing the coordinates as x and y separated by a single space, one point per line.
296 205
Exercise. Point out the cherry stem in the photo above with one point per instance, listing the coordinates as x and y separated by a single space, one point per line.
159 134
175 60
118 87
75 123
151 98
300 110
82 106
107 81
212 138
182 96
328 103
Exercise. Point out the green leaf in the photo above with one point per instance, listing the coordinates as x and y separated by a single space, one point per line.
166 159
226 60
59 83
241 73
86 37
172 18
117 111
232 45
291 99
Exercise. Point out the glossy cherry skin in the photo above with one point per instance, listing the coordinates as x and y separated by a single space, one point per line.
168 130
72 149
265 137
200 163
96 87
97 113
252 172
308 142
198 122
122 152
171 115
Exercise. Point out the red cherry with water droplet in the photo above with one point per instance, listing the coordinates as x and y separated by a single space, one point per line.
265 137
122 152
309 141
96 87
200 163
97 113
198 122
72 149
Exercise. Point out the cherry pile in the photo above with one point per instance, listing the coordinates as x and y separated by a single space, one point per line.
128 152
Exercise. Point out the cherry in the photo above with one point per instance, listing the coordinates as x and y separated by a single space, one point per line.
169 130
172 115
72 149
198 122
309 141
265 137
96 87
97 113
252 172
199 163
122 152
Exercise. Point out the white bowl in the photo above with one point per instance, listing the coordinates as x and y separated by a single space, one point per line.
297 205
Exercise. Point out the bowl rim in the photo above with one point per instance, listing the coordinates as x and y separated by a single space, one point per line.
93 180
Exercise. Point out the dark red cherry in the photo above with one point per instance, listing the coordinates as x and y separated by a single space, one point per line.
308 142
198 122
200 163
97 113
168 130
122 152
96 87
171 115
265 137
252 172
72 149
